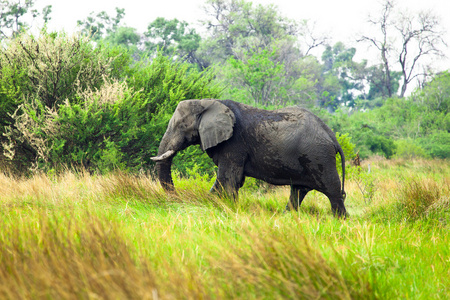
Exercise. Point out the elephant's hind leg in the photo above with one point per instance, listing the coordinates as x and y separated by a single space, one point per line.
337 206
332 189
337 203
298 193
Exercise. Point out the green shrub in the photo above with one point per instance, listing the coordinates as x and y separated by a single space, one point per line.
347 146
408 148
90 134
39 73
112 125
437 144
193 158
381 145
165 82
47 67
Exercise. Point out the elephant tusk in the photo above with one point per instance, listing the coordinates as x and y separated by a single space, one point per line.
163 156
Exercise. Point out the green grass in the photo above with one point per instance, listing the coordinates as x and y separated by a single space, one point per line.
121 237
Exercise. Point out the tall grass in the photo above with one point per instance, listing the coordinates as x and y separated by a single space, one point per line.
57 257
120 236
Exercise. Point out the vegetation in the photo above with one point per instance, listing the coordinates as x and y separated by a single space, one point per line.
120 236
101 100
67 103
80 116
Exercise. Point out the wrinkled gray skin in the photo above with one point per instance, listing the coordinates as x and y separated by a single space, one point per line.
289 146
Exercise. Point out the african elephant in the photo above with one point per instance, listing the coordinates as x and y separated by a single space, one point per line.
288 146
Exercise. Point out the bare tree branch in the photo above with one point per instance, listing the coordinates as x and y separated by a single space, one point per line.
310 37
410 37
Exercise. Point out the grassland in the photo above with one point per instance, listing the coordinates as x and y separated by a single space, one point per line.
119 236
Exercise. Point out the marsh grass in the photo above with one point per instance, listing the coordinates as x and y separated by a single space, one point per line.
120 236
282 264
417 196
56 257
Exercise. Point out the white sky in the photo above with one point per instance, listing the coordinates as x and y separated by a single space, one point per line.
343 20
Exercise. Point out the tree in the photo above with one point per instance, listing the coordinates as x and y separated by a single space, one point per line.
13 13
424 32
405 39
237 25
435 95
378 87
124 36
260 75
254 48
309 38
350 75
173 37
100 25
103 28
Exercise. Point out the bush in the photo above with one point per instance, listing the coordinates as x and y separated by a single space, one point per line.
165 82
437 144
381 145
193 158
88 134
408 148
43 72
347 146
47 67
110 124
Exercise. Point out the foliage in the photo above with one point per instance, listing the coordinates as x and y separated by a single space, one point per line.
90 134
101 25
365 132
380 86
93 120
48 67
347 147
403 127
177 80
239 25
127 37
14 15
435 95
193 162
409 148
261 76
348 75
254 50
110 128
173 38
258 56
437 144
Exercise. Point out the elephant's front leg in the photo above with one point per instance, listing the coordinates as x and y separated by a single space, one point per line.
230 177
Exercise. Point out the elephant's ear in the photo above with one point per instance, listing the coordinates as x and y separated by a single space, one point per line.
216 124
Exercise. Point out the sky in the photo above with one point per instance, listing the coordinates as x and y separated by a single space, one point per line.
342 20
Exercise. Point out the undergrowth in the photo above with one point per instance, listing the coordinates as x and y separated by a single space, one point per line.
120 236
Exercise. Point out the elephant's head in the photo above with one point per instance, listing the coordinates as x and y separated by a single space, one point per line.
206 122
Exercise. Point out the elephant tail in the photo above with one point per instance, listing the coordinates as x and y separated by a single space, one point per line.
341 153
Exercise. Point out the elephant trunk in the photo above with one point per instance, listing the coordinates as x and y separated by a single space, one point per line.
167 149
164 170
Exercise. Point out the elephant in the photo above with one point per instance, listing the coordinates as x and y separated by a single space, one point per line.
288 146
